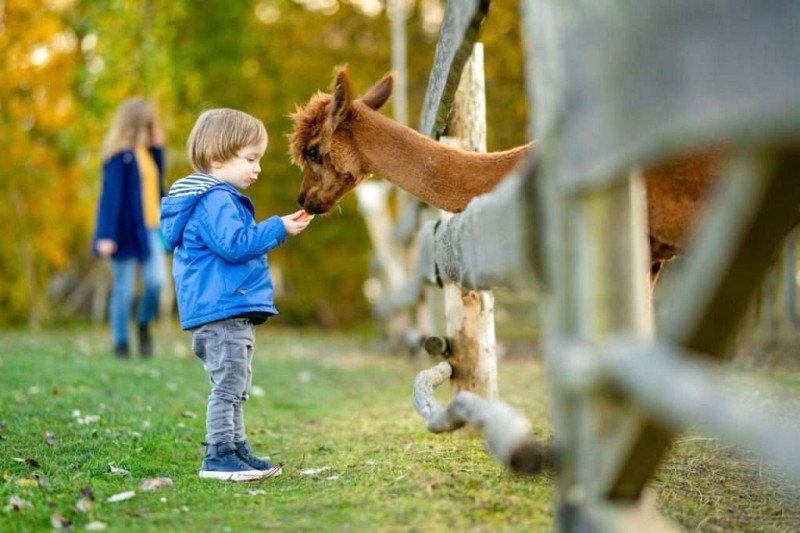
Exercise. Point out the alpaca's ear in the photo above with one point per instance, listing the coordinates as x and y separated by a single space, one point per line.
341 98
379 93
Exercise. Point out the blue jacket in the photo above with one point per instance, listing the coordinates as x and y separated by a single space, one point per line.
219 260
119 211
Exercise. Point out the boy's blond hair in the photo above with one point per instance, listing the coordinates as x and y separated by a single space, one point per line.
219 134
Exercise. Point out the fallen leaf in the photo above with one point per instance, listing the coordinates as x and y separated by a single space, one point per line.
121 497
256 492
27 482
116 470
188 414
96 526
83 505
44 484
49 438
314 471
7 475
157 483
33 463
59 523
17 504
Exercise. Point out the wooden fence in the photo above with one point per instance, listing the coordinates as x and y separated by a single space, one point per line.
613 85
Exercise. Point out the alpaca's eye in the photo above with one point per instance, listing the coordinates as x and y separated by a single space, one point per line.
312 154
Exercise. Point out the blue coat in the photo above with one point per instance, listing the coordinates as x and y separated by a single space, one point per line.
219 259
119 212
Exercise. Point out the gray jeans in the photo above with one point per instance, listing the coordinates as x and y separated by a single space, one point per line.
226 349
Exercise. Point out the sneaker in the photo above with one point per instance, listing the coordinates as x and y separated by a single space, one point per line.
221 462
121 350
145 341
244 453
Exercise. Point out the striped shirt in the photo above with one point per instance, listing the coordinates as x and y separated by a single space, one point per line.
193 184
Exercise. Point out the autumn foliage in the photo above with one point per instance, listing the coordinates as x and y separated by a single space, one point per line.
67 64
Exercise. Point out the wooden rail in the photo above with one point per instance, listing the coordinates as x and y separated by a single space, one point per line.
615 86
572 221
462 21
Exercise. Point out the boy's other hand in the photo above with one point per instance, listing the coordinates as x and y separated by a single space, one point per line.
296 222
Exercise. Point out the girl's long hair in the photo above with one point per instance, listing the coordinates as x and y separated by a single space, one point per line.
132 125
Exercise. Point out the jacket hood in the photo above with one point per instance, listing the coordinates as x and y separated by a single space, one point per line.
177 206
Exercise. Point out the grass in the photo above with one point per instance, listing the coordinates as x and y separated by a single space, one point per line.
322 402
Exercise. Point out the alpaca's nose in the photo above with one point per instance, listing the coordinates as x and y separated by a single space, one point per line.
301 198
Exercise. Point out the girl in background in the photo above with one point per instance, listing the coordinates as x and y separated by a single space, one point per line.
128 214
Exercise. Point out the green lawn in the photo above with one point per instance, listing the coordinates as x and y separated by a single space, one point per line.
68 411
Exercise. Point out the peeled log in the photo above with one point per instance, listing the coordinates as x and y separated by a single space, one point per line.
507 433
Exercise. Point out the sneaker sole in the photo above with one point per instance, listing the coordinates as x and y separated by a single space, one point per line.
275 471
245 475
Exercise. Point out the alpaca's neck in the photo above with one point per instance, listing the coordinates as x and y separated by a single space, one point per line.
447 178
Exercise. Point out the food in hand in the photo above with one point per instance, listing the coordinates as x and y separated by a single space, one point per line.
303 216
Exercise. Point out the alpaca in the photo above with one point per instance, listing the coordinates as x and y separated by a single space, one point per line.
339 141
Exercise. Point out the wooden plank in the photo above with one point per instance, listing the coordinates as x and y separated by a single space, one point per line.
469 313
586 419
473 346
682 391
607 295
644 81
459 31
492 242
615 84
507 432
601 292
373 204
747 224
425 272
789 290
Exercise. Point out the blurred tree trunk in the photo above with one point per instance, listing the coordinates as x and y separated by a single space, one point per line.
789 292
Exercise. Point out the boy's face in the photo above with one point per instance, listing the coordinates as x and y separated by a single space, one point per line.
242 170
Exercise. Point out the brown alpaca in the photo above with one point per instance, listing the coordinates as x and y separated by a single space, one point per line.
339 141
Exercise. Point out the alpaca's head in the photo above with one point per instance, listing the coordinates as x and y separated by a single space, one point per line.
322 142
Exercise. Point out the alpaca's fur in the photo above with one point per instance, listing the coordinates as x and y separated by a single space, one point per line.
354 141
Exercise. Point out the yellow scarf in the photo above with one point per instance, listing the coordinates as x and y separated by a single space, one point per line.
151 191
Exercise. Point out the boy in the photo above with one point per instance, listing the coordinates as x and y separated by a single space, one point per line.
222 278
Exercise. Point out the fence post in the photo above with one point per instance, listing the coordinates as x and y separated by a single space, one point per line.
470 314
770 287
373 204
789 293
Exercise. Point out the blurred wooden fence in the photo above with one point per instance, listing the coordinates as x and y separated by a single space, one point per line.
613 85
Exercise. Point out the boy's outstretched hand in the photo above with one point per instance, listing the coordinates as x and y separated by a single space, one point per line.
296 222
